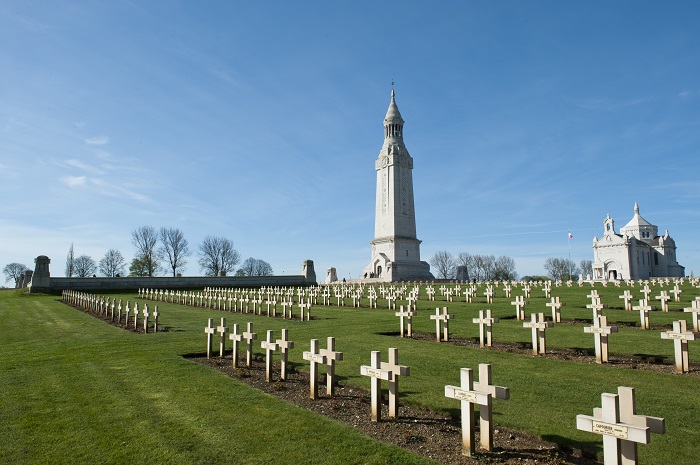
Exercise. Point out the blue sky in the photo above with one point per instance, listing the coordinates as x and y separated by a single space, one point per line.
260 121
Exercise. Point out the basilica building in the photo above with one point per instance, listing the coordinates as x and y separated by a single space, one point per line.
636 252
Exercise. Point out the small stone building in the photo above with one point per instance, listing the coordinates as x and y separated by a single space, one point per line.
636 252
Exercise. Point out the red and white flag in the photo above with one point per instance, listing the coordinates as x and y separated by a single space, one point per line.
571 236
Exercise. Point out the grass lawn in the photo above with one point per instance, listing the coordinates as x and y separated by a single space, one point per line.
77 390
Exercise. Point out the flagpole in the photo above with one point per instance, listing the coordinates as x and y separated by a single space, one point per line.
568 235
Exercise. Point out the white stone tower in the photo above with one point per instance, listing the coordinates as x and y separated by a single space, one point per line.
395 248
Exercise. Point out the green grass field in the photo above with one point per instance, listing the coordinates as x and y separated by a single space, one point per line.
78 390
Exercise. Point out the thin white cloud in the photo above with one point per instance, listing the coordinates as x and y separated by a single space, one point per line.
79 124
688 93
73 163
74 181
97 140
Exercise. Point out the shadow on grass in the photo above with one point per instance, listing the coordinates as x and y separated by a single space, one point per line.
583 351
587 450
654 358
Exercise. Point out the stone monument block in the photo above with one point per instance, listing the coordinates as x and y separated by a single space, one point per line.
308 271
331 276
41 279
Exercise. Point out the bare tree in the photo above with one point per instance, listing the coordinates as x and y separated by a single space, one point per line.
484 267
444 264
216 255
586 267
70 263
112 264
560 268
504 269
13 271
85 266
145 239
174 248
254 267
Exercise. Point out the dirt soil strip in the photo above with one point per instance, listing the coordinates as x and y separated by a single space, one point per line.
434 435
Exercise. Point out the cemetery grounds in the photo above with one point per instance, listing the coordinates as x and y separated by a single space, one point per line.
76 389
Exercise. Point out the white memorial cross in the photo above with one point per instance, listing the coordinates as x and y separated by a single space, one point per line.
285 304
644 309
482 394
628 414
676 291
485 323
538 326
209 330
442 322
156 314
664 298
627 296
469 294
136 314
600 330
249 337
680 336
126 314
547 289
285 345
314 358
486 414
694 310
507 290
145 318
431 293
222 330
331 357
305 308
617 433
396 370
448 294
489 294
519 307
556 306
376 373
408 314
235 337
270 346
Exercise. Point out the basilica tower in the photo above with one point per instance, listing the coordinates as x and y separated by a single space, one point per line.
395 248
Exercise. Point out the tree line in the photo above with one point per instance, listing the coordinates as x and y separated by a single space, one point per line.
479 267
167 250
563 269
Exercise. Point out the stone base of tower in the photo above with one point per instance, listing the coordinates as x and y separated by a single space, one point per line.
408 267
400 271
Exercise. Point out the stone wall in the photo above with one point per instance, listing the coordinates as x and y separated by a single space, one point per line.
43 282
162 282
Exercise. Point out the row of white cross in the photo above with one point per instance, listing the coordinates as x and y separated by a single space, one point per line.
617 420
600 330
218 297
315 355
103 306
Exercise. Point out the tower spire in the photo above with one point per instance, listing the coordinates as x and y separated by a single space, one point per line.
393 122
